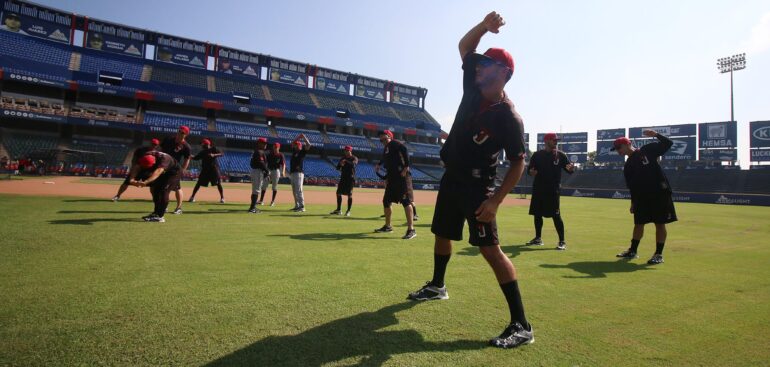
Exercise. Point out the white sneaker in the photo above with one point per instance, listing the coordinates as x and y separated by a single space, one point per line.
177 211
115 198
222 200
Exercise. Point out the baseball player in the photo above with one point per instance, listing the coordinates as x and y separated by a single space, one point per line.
138 153
486 122
163 174
546 166
209 169
301 146
258 172
276 164
398 183
180 150
347 167
651 200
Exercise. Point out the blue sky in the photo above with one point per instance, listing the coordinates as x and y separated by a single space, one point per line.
580 65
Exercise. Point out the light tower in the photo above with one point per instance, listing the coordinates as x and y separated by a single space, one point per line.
728 65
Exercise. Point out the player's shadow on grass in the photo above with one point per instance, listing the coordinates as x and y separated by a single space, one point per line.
510 250
100 212
91 221
356 340
599 269
325 236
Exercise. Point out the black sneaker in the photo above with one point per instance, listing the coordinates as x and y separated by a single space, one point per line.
147 218
535 242
655 259
254 211
628 254
384 229
562 246
513 336
428 292
336 212
410 233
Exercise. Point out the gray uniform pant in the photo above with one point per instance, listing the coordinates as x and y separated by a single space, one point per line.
256 181
296 188
275 175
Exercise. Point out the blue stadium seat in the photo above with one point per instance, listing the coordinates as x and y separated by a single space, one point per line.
287 133
30 48
94 64
174 121
352 140
242 128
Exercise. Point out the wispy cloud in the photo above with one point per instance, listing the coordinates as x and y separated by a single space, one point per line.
759 41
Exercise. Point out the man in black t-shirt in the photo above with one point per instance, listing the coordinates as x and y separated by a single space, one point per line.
163 174
651 200
209 169
138 153
546 166
347 168
486 123
297 171
398 183
276 165
178 148
258 165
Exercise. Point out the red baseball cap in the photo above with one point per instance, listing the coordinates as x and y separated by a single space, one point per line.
500 55
184 129
147 161
388 133
277 145
551 137
298 144
262 140
620 141
348 148
155 141
205 142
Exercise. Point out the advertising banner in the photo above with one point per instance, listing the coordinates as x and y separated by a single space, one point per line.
33 20
114 38
667 130
718 135
610 134
332 81
230 61
180 51
760 134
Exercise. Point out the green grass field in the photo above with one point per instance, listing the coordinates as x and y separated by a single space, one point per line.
85 282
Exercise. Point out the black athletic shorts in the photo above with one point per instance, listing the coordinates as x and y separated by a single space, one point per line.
398 190
210 176
456 204
654 208
544 204
345 186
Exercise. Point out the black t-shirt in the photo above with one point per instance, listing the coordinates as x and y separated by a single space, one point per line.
275 160
179 151
347 170
298 160
395 157
207 161
548 166
643 172
165 161
259 160
480 131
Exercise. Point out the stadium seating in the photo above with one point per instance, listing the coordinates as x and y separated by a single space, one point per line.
352 140
286 133
425 148
235 162
179 77
94 64
33 104
174 121
226 85
242 128
112 154
99 112
299 96
375 108
29 48
317 167
331 102
434 171
19 145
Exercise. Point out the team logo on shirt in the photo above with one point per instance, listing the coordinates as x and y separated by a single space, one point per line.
645 161
482 230
481 137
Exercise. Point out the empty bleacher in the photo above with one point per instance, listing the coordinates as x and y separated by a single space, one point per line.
19 145
287 133
226 85
330 102
174 121
94 64
179 77
317 167
376 108
434 171
352 140
298 96
243 128
235 162
425 148
100 112
111 153
32 104
29 48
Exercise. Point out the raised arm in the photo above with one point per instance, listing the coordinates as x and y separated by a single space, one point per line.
491 23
